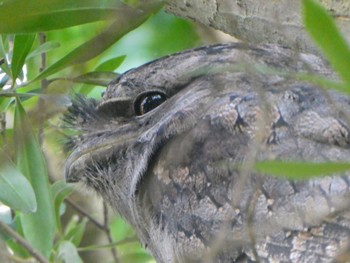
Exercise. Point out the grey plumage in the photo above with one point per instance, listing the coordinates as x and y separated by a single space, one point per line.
182 174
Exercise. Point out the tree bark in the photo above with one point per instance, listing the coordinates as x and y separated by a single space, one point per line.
260 21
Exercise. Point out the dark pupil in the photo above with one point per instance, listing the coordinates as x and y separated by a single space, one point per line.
151 102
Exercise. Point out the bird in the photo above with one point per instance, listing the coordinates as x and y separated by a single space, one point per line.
173 147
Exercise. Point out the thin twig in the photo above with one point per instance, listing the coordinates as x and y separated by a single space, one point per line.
108 232
84 213
44 85
126 240
23 242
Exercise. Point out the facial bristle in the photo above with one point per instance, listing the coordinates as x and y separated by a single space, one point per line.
79 117
81 114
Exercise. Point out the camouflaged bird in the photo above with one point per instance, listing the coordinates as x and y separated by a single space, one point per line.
172 146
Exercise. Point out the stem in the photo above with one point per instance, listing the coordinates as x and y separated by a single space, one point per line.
21 241
87 215
108 232
44 85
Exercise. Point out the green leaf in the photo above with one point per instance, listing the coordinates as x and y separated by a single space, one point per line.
300 170
101 42
15 190
75 230
96 78
325 33
44 48
3 80
68 253
4 65
104 79
17 249
21 47
111 64
131 2
38 227
5 103
18 16
136 257
60 190
128 242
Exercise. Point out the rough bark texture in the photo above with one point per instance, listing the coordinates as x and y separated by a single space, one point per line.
260 21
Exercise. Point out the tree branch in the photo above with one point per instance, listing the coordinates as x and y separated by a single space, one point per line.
21 241
260 22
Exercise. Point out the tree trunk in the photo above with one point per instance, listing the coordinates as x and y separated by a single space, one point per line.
260 21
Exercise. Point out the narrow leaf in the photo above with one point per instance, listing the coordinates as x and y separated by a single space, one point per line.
44 48
60 190
75 230
15 190
18 16
96 78
300 170
125 241
21 47
68 253
5 103
101 42
325 33
38 227
111 64
4 65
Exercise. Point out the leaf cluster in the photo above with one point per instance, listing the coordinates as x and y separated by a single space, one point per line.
38 67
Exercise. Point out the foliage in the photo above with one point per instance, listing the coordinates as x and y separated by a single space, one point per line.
49 49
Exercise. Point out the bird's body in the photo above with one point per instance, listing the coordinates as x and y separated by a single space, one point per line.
173 145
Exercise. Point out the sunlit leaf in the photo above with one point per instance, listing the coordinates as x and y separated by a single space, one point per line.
68 253
300 170
101 42
15 190
18 16
21 47
325 33
111 64
38 227
60 190
44 48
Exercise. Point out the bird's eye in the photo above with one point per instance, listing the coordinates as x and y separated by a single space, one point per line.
148 101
